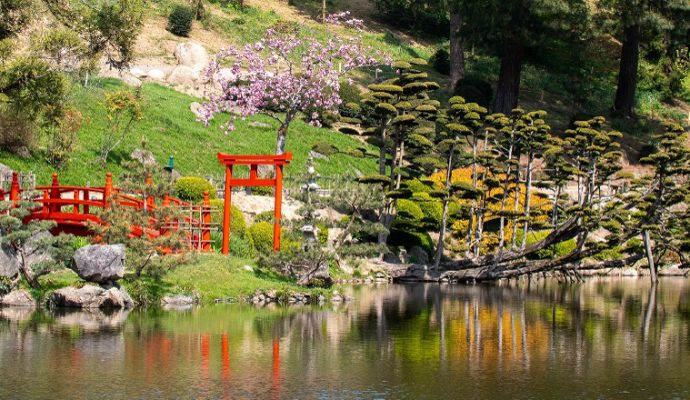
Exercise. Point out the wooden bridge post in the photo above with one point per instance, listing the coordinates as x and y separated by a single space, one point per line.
107 189
14 187
46 200
206 223
55 195
150 201
75 208
166 224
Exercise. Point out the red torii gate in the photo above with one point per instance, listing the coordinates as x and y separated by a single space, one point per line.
229 160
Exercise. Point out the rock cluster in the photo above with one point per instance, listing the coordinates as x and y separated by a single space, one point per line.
90 297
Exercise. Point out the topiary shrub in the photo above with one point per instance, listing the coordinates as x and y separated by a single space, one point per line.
349 93
441 61
180 21
192 188
261 236
409 210
238 225
475 90
433 210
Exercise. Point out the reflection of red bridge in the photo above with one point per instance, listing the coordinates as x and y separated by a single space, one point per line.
73 207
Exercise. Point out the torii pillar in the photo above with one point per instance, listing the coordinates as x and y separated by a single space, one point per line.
278 161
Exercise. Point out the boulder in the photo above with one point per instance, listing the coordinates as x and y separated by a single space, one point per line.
5 172
18 298
191 55
225 75
157 74
9 267
179 300
144 156
391 258
138 72
100 263
132 81
418 255
90 296
183 76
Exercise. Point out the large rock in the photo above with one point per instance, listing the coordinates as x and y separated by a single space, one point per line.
9 267
183 76
145 157
157 74
90 296
18 298
191 55
179 300
418 255
100 263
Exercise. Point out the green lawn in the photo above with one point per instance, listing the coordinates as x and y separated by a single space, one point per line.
209 277
170 129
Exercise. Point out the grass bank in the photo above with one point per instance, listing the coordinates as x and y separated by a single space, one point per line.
209 278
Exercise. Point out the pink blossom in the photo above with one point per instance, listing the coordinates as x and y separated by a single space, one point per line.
288 73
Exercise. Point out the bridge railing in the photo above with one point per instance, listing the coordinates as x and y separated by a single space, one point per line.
72 207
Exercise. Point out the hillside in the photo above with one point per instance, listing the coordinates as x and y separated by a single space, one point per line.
170 129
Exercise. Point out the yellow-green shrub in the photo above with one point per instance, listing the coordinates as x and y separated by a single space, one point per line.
261 236
238 224
192 188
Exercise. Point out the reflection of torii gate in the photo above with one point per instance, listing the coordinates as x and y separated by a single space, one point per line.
253 161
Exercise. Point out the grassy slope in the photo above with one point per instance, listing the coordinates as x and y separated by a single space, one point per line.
170 128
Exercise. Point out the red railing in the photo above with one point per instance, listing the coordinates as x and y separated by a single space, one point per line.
73 207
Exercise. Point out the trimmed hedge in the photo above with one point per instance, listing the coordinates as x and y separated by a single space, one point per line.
261 236
192 188
180 21
410 211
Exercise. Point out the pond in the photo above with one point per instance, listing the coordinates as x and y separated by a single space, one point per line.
604 339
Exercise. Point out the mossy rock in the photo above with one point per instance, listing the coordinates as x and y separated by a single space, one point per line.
325 148
356 153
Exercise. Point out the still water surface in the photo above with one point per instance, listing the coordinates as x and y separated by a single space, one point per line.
607 339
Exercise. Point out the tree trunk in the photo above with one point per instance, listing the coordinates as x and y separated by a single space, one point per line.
508 89
457 55
627 75
650 256
382 154
444 216
528 202
282 134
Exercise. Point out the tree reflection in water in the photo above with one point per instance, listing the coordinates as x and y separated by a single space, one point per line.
602 338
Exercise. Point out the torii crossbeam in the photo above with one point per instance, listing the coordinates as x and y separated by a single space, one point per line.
253 161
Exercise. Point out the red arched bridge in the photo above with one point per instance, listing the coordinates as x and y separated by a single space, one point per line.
73 207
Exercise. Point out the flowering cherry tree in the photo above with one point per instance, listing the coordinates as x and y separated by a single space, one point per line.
284 74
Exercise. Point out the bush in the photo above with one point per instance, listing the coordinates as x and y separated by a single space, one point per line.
349 93
475 90
323 233
262 191
192 188
261 236
16 134
441 61
432 209
266 216
180 21
238 225
409 210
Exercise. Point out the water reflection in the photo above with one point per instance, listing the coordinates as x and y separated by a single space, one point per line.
600 339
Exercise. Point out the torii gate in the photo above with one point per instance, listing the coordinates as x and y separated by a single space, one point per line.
279 161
